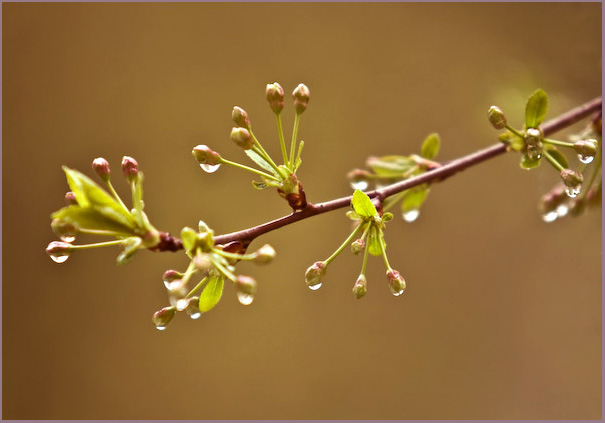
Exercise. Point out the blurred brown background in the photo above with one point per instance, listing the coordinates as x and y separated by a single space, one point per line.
502 317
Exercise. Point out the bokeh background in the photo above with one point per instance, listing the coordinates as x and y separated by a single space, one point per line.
502 316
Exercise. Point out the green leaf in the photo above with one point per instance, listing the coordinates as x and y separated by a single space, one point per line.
391 166
189 237
414 198
212 293
527 163
374 247
556 155
362 204
89 194
536 108
430 146
89 218
260 161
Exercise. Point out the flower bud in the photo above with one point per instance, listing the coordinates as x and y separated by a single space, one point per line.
240 117
205 155
59 251
357 246
496 117
314 274
301 98
246 289
67 231
533 152
361 287
396 282
264 254
587 148
533 137
242 137
275 97
130 168
202 262
171 276
70 199
162 317
571 178
101 167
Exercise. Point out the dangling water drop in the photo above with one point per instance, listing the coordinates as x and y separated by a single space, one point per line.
59 257
360 185
585 159
195 315
562 210
160 327
396 292
551 216
314 287
572 192
181 304
173 285
411 215
209 168
245 299
68 238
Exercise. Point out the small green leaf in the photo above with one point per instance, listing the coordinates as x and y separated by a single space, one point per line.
189 237
387 216
89 194
556 155
414 198
391 166
259 161
89 218
527 163
430 146
212 293
536 108
352 215
259 185
362 204
374 240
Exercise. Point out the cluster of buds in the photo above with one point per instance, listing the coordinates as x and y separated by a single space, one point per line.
211 265
366 237
92 210
283 177
571 196
392 169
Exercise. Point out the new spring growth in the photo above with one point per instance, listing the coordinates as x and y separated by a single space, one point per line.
301 95
162 317
242 138
572 181
396 282
92 210
370 224
240 117
496 117
275 97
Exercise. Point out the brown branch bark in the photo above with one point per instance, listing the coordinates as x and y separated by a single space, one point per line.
446 170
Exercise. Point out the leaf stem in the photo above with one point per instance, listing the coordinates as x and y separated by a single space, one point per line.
294 135
552 161
344 244
249 169
282 141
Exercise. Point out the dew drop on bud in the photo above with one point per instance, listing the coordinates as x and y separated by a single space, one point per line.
360 185
551 216
245 299
314 287
410 215
68 238
585 159
572 192
181 304
208 168
160 327
195 315
59 257
562 210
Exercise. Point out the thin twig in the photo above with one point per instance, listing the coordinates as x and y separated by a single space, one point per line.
448 169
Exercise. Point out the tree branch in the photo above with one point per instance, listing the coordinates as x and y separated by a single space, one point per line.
246 236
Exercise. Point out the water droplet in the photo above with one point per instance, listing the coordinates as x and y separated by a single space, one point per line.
245 299
195 315
173 285
68 238
160 327
314 287
397 292
59 257
411 215
210 168
572 192
562 210
585 159
551 216
181 304
360 185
